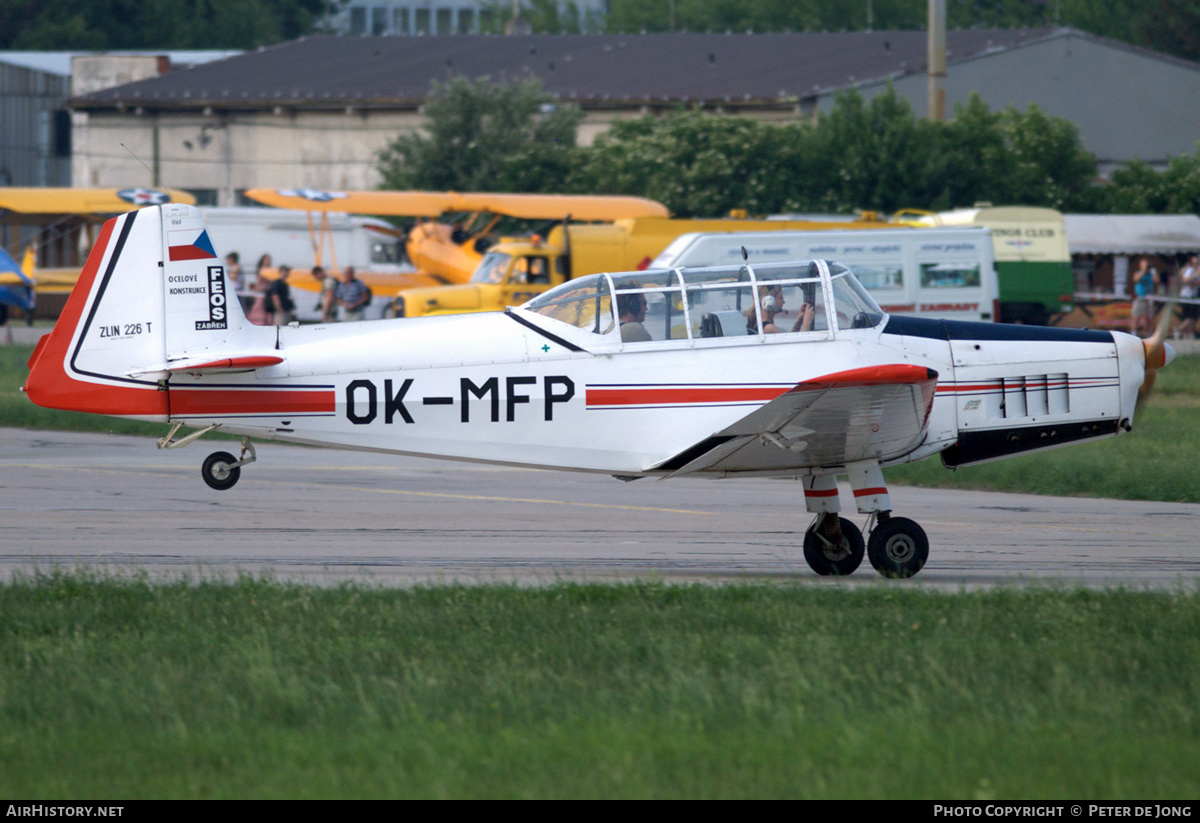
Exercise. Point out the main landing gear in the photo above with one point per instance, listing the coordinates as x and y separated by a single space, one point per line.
896 546
221 470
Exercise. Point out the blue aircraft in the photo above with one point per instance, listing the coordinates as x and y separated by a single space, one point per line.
16 289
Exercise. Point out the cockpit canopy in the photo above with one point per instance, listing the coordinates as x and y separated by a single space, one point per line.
803 297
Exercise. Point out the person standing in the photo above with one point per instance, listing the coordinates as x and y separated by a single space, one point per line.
259 313
279 298
1189 290
233 270
326 302
352 297
1145 280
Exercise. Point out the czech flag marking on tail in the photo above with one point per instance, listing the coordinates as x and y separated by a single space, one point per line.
191 245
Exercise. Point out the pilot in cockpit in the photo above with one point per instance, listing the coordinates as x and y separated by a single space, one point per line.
771 303
631 311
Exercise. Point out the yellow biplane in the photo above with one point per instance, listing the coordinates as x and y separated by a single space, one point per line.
60 224
448 252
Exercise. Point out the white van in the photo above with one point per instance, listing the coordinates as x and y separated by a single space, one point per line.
939 273
362 242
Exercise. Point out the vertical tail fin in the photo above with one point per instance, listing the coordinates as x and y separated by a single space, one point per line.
151 293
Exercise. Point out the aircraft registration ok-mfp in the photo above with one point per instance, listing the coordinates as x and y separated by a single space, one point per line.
787 369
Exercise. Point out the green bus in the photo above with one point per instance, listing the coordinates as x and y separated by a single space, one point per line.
1033 262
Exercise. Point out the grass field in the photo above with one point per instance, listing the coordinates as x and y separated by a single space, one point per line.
120 689
126 689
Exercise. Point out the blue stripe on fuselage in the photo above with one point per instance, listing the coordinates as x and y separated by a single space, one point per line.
964 330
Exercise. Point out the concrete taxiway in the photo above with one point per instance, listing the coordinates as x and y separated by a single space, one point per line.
119 505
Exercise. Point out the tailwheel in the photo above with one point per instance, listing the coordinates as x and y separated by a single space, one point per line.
897 547
221 471
833 546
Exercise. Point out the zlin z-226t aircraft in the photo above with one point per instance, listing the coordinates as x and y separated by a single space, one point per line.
643 374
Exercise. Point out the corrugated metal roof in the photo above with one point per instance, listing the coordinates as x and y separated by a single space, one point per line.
1132 233
594 70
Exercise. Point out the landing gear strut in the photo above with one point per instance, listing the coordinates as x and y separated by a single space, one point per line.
833 546
896 546
220 470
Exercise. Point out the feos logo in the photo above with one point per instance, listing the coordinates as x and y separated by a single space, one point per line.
218 309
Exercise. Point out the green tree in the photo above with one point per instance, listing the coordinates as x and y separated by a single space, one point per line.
696 164
871 154
155 24
1170 26
862 154
971 161
1137 188
1050 167
486 136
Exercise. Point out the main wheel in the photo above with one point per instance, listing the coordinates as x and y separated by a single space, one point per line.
898 547
219 471
838 559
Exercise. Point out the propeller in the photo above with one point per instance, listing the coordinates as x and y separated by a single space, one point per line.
1158 351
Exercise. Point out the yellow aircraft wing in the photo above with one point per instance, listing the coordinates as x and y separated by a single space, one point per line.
557 206
434 204
44 205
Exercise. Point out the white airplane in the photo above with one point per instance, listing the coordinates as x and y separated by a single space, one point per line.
787 369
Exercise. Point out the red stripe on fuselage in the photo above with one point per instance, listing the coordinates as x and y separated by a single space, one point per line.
221 402
708 395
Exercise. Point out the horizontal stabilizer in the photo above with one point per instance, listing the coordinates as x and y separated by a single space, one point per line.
208 364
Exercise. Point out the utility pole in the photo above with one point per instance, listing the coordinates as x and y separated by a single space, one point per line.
937 59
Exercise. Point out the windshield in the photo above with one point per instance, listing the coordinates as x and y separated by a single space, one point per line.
856 309
585 304
720 301
491 268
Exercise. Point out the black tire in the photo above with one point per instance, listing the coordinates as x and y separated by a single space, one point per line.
898 548
836 561
219 472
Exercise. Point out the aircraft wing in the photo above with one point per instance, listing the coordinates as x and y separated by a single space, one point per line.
387 203
433 204
557 206
873 413
11 273
43 205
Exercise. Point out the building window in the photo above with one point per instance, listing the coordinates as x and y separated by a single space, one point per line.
422 22
466 17
379 20
400 21
204 197
358 20
445 23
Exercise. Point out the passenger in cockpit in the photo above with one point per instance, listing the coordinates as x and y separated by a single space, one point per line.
631 311
771 304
